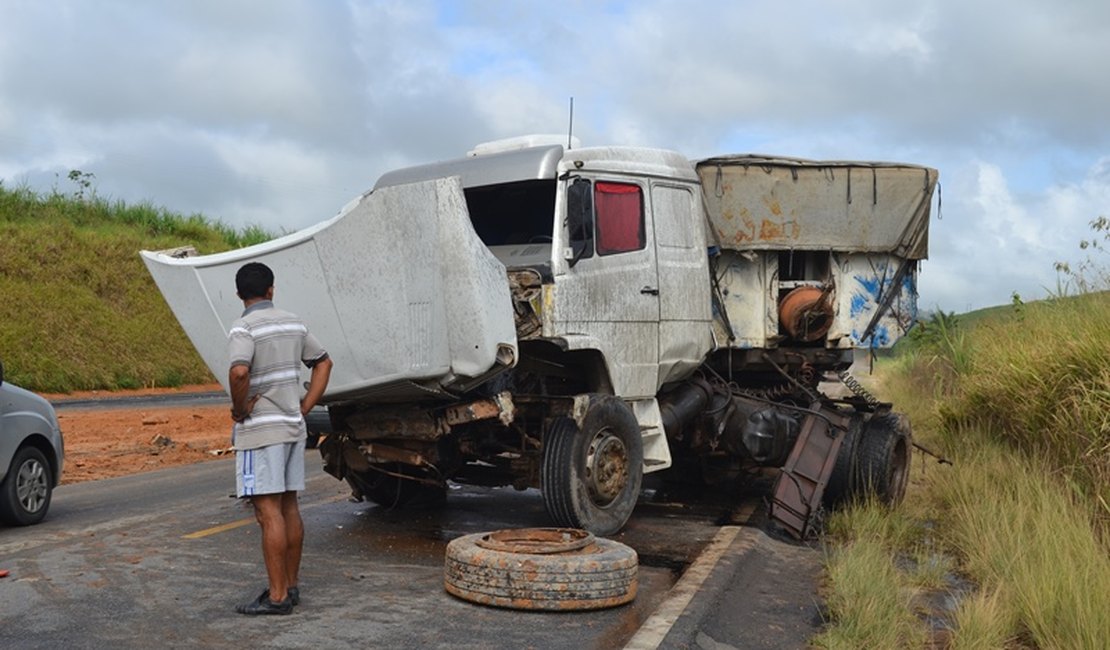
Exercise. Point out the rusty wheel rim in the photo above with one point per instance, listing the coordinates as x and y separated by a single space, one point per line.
606 467
539 541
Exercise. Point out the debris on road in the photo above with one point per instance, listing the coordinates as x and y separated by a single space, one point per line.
560 569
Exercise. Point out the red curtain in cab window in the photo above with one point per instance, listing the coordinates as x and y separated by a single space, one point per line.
619 217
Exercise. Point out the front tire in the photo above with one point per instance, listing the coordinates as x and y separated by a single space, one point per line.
27 489
590 476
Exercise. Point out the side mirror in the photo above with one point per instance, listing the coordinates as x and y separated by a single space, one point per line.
580 220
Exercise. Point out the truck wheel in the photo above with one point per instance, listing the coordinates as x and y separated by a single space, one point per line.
883 458
394 492
541 569
590 477
26 490
841 487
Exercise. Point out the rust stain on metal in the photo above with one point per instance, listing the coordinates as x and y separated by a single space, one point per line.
746 232
480 410
769 230
380 452
500 406
537 540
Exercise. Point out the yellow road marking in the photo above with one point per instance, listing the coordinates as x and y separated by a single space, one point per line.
218 529
232 525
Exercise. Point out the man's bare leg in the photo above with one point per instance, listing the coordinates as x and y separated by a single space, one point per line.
294 537
275 543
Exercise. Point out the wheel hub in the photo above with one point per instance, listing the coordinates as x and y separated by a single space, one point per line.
31 485
606 467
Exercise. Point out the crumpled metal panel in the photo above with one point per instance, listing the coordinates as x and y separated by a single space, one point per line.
763 203
397 287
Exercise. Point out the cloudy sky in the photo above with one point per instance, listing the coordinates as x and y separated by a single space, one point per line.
276 112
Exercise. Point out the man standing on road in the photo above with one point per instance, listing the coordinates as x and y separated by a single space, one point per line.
264 347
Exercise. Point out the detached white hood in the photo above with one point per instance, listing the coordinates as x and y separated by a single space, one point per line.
398 288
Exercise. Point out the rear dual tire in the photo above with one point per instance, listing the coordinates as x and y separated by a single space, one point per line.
874 460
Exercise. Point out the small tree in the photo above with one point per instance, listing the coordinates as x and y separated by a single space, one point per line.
1091 274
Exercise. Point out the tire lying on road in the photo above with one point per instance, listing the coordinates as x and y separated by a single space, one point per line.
558 569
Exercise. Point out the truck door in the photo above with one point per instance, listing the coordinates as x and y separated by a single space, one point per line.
684 285
608 294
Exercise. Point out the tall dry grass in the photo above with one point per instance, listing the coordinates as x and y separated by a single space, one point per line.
1040 381
1020 402
1029 544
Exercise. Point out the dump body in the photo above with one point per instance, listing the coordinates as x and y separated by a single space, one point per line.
849 234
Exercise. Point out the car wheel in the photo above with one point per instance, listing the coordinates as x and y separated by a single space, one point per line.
26 490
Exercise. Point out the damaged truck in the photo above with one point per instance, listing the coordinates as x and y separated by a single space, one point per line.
543 315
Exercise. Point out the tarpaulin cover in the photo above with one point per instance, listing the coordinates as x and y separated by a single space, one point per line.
767 203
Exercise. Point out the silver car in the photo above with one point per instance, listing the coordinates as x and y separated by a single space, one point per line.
31 455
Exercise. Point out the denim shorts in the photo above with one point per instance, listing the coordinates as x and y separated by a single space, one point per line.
270 470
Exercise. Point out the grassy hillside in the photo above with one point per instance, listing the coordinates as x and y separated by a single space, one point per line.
78 309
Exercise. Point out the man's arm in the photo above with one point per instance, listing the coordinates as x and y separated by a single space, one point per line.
321 372
239 379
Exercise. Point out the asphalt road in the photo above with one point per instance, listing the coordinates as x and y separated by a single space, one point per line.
160 560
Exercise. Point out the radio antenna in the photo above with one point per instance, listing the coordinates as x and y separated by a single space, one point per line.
570 128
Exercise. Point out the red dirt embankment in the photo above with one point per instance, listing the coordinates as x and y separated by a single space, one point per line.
102 443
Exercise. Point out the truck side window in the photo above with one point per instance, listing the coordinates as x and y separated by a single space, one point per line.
580 220
620 217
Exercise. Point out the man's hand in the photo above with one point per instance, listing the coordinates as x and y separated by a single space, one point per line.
240 415
317 383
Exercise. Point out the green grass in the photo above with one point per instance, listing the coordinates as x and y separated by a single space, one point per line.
1029 543
870 606
79 309
1019 399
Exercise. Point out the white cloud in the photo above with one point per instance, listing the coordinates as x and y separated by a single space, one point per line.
277 112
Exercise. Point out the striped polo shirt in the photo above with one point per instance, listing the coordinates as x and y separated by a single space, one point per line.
273 343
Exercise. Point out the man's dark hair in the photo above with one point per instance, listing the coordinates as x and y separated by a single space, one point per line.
253 280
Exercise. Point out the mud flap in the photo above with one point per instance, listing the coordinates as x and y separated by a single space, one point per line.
801 483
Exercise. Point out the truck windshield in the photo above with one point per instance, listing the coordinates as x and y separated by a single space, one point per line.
513 213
